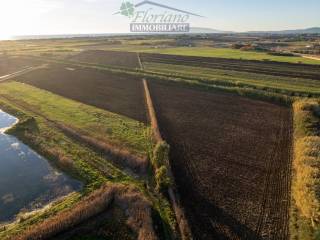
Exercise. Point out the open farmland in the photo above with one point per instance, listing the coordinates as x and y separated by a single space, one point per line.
288 85
113 58
231 160
45 123
117 93
228 53
260 67
92 122
9 65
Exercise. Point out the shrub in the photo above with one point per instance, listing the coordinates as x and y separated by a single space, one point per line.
160 162
161 154
162 179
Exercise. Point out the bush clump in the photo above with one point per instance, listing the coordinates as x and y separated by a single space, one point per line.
162 179
160 162
161 154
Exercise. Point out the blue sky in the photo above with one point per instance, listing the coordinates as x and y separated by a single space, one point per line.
28 17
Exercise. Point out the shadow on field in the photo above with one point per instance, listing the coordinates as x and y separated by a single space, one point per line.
216 223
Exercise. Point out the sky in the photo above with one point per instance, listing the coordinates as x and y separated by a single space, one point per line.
45 17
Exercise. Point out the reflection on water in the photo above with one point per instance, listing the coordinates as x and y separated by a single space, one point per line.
27 181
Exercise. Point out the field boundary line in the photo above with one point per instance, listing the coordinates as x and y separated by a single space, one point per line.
152 113
311 57
21 72
140 62
173 195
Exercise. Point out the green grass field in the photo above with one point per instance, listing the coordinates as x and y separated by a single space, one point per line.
250 79
217 52
36 109
97 123
232 54
84 164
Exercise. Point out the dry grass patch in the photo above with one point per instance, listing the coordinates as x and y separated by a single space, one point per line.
136 207
306 181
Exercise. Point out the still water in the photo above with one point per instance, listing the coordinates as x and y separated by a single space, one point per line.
27 181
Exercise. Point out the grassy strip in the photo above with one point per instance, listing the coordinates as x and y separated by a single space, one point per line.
231 54
78 160
227 53
161 167
305 213
246 92
99 124
68 156
235 78
160 156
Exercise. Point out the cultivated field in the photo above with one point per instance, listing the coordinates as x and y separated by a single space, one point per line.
10 65
117 93
113 58
262 67
231 156
231 160
212 76
228 53
75 118
97 147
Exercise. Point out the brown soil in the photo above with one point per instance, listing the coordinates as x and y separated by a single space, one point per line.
231 159
253 66
113 58
117 93
10 65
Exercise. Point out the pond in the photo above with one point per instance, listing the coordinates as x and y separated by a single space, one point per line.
27 180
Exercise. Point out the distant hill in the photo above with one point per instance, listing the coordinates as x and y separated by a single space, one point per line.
314 30
206 30
193 30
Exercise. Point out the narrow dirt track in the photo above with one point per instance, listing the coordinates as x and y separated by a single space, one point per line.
9 64
311 57
231 158
20 73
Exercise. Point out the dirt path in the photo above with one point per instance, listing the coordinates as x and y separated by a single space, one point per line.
311 57
21 72
140 62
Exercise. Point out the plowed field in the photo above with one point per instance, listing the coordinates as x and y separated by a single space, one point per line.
252 66
10 65
113 58
231 158
117 93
